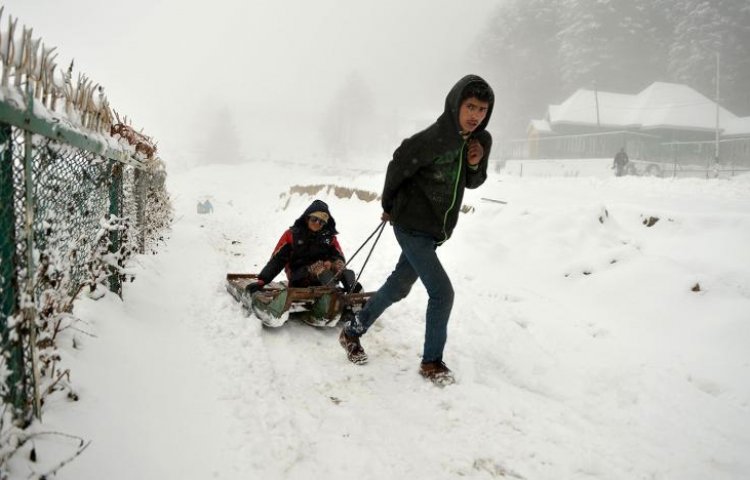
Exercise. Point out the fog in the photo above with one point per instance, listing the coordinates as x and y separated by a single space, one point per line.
279 75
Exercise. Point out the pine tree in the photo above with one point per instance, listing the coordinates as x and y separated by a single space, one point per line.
347 128
611 44
704 29
540 51
519 50
225 139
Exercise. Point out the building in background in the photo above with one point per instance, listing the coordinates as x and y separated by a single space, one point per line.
662 123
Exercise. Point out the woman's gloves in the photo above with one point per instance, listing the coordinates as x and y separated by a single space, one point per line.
255 286
321 266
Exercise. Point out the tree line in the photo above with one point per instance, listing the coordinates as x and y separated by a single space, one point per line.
538 52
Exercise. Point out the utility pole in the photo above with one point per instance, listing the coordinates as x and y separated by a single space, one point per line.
596 102
716 144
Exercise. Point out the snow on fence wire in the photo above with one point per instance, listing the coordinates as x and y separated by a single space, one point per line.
79 194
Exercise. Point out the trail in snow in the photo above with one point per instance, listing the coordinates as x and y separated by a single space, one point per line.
561 373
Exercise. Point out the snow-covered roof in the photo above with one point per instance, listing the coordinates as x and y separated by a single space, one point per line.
552 112
674 105
581 108
738 127
541 126
660 105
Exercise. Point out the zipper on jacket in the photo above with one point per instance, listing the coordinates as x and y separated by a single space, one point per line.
455 190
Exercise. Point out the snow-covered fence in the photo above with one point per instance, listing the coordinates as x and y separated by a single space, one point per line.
602 168
733 153
79 194
585 145
683 158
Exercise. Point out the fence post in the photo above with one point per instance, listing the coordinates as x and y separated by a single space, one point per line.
12 345
115 209
29 310
140 208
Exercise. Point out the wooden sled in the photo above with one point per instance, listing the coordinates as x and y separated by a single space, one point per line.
277 303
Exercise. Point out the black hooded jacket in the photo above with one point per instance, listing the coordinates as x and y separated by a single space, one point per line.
299 247
425 181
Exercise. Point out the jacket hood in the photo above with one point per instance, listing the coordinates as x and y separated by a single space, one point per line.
453 103
317 206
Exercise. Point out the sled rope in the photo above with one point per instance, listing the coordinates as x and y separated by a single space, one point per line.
379 231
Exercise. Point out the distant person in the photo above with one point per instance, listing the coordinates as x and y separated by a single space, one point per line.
309 253
204 207
620 163
422 195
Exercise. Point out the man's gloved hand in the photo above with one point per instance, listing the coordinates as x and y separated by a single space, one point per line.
338 265
253 287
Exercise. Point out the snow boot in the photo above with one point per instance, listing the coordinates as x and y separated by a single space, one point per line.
437 372
354 351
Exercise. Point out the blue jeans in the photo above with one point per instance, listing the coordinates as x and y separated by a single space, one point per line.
418 260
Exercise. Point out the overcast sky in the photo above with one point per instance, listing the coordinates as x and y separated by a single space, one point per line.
170 65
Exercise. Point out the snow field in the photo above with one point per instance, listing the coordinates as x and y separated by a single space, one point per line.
579 348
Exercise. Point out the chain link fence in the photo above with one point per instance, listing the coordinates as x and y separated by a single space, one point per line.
70 218
80 192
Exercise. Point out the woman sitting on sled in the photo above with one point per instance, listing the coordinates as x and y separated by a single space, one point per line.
309 253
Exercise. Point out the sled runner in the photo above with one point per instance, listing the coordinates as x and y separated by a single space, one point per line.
276 303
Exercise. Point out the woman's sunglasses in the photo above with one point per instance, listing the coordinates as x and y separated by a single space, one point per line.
317 220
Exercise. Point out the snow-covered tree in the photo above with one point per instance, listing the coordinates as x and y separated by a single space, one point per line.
540 51
519 50
221 141
704 29
347 127
615 45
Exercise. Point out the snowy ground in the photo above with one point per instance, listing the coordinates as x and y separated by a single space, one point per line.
580 349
